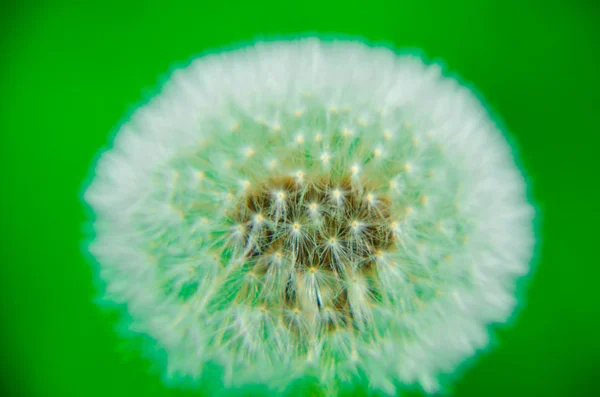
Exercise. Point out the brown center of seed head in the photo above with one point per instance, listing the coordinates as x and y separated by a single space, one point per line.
308 241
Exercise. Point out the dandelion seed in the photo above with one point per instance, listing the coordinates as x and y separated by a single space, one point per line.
325 158
383 250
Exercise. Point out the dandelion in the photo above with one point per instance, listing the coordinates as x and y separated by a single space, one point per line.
315 208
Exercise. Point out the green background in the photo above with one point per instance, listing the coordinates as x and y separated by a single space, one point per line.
70 71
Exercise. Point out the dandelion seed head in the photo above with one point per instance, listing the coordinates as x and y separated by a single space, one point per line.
375 226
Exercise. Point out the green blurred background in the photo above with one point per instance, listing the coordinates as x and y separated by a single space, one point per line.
70 70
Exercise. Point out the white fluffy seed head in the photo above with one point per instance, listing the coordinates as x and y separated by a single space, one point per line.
308 205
